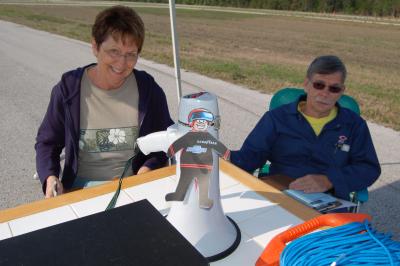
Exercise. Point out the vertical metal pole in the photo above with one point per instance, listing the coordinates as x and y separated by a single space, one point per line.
175 48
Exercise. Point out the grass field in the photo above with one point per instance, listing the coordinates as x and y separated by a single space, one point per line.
263 52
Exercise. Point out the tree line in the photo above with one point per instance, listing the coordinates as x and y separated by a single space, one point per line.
356 7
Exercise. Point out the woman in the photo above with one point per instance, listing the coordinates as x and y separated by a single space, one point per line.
97 112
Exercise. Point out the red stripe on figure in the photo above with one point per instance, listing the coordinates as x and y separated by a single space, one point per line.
188 165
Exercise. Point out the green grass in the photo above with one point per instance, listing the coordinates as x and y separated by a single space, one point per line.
45 19
241 71
52 23
197 14
279 73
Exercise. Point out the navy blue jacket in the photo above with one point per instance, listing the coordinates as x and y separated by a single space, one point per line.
343 151
61 124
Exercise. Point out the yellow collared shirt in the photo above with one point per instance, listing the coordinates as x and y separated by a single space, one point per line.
318 124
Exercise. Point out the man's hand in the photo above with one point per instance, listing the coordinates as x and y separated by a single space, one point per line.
311 183
143 170
53 183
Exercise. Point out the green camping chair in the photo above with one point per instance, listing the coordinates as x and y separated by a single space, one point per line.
288 95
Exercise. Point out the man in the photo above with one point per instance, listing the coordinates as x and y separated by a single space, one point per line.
319 144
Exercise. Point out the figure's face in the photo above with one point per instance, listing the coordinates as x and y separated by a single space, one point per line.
115 60
323 91
200 125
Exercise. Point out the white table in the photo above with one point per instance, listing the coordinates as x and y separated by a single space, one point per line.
260 210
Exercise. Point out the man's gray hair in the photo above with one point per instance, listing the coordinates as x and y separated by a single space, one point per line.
327 64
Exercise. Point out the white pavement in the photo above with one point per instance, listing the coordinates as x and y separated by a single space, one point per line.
32 62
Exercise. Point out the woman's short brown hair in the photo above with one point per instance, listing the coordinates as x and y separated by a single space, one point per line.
118 22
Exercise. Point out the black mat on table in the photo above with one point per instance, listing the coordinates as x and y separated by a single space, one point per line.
134 234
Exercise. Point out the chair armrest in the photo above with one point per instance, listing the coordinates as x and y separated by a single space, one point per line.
361 195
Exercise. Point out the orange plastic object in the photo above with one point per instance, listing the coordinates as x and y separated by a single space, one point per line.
271 254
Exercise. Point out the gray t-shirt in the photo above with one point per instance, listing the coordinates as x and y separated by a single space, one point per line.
108 129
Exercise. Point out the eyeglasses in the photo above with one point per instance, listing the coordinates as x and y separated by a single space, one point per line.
202 116
116 54
319 85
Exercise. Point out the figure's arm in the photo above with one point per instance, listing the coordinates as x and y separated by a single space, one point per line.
50 139
363 168
220 148
257 146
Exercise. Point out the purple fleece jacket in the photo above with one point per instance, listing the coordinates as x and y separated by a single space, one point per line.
60 126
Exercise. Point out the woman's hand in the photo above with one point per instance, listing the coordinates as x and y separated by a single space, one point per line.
54 187
143 170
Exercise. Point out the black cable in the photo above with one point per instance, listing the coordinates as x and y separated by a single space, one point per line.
114 199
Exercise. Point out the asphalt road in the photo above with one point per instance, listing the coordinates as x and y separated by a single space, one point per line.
32 62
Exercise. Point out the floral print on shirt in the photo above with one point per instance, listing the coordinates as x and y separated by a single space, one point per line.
108 139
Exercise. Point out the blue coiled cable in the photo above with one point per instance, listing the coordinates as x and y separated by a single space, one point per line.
350 244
